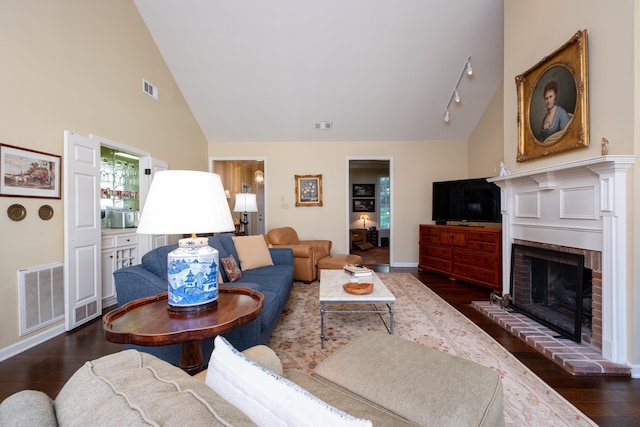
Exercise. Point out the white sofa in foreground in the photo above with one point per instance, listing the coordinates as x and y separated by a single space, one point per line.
378 379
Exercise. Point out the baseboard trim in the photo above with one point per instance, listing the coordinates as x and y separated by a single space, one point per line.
635 371
405 264
30 342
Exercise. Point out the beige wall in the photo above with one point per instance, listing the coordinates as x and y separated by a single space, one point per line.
79 65
486 142
536 29
415 165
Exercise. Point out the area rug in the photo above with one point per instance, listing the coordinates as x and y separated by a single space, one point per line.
423 317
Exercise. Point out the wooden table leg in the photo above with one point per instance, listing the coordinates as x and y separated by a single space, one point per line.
191 358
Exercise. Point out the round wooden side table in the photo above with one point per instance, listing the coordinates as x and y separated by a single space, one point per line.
147 321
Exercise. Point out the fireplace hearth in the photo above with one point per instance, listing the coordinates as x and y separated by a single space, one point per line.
553 288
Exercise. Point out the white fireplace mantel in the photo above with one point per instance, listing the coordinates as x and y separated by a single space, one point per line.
581 204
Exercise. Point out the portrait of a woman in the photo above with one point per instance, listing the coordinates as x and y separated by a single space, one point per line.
552 105
556 118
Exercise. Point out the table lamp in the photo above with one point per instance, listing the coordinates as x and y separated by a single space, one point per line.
364 218
183 202
245 203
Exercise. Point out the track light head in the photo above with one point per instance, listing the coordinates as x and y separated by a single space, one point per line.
469 69
456 96
446 115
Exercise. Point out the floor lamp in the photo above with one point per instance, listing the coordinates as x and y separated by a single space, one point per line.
245 203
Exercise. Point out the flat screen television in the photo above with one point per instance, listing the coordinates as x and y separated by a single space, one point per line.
469 200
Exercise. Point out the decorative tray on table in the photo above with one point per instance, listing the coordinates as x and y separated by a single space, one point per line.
357 288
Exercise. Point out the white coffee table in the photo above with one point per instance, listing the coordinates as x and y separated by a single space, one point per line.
332 293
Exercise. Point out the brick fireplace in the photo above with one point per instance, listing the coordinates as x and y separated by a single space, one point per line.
591 331
578 207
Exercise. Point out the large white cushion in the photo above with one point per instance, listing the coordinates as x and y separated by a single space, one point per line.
267 398
252 252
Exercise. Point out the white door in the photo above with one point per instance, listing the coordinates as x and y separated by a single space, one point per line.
148 167
82 254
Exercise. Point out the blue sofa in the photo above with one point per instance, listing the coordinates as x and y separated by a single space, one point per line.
274 282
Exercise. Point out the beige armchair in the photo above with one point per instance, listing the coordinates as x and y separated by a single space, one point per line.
306 253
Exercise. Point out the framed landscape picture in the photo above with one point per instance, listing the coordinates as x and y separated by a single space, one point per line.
364 190
308 190
29 173
364 205
553 102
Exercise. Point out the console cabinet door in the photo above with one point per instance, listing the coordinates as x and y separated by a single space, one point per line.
463 253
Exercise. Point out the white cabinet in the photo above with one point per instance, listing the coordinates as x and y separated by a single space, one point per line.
119 250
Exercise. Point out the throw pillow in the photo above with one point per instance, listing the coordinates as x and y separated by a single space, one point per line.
252 251
267 398
231 268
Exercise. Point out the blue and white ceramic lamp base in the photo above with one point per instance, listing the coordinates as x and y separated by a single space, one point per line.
193 275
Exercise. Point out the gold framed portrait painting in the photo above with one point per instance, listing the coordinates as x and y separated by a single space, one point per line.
308 190
553 104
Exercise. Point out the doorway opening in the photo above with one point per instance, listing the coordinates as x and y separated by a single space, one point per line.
243 175
369 211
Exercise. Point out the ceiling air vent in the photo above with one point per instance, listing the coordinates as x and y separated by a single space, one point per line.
324 125
149 89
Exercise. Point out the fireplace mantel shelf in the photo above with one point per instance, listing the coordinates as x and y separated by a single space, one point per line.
621 162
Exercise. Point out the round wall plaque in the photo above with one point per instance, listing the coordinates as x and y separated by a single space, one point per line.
45 212
16 212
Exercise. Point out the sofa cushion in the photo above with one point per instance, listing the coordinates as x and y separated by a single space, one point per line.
276 279
224 242
231 268
271 308
103 393
266 397
28 408
252 252
156 260
265 357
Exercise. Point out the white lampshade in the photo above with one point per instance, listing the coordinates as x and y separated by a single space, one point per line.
188 202
245 202
181 202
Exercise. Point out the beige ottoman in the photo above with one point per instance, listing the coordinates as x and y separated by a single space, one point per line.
337 261
416 382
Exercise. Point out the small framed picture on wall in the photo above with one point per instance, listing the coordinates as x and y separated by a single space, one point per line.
364 205
364 190
308 190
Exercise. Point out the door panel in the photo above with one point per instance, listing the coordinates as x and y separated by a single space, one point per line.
82 272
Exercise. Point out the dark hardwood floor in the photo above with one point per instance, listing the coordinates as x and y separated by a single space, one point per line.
609 401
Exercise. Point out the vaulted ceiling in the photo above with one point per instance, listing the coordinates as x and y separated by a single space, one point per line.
377 70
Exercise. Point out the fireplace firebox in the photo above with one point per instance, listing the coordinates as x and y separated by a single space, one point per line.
553 288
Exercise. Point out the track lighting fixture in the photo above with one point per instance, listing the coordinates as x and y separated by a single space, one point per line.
455 95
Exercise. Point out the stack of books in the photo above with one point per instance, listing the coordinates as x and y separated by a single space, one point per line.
357 270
